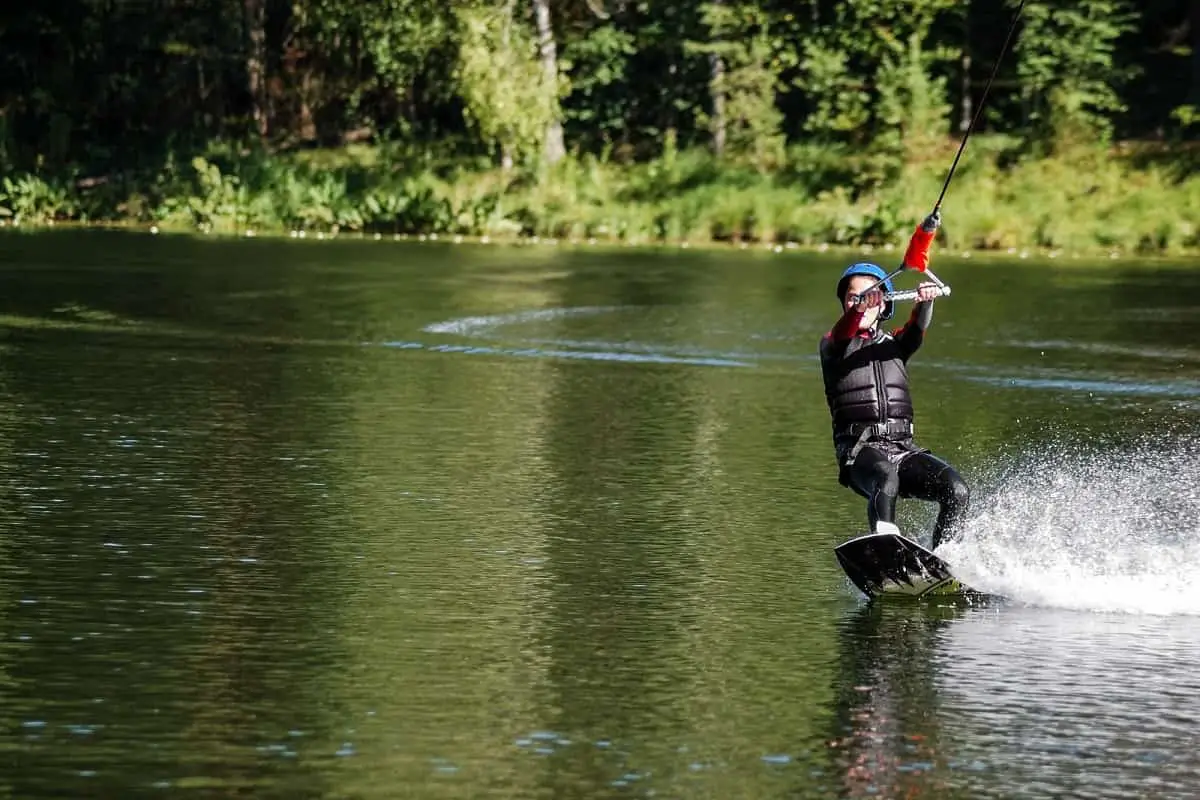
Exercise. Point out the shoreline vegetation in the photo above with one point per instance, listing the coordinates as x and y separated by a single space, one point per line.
1127 201
810 123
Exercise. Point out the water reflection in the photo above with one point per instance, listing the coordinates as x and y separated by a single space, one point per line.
1059 703
1004 701
888 738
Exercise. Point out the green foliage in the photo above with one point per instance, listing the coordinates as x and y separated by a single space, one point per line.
507 99
599 62
1067 67
378 47
30 199
841 101
912 102
1081 202
751 57
871 73
1188 116
387 116
130 83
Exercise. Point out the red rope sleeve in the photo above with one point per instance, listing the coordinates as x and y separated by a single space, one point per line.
917 255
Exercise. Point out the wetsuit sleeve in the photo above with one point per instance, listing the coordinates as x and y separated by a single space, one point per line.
833 344
910 337
845 328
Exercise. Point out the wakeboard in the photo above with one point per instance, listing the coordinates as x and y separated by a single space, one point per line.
890 564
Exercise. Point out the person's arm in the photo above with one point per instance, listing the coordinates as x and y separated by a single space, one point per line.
845 328
848 325
912 334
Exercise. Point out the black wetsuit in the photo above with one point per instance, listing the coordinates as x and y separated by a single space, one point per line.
866 385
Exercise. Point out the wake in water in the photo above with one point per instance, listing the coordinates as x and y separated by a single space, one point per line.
540 333
1096 528
482 326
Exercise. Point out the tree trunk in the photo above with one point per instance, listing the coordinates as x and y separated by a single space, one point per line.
256 82
966 107
506 145
1195 25
307 121
554 148
718 125
717 86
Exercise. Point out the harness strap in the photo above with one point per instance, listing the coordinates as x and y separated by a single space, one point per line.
893 427
858 445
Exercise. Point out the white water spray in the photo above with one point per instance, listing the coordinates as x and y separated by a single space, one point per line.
1100 528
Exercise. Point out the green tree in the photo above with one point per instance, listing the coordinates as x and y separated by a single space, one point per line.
871 70
598 62
1070 79
509 98
746 60
357 63
912 110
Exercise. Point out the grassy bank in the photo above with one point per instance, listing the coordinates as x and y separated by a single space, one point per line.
1130 200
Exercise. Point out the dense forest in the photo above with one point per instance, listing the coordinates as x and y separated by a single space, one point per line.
493 116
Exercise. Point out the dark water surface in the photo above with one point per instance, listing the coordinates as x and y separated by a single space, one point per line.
367 519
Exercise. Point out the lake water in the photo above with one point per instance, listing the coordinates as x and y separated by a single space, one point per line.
368 519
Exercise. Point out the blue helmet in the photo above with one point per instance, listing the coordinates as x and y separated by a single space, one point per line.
873 271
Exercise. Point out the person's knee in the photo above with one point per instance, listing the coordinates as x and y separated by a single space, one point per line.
958 494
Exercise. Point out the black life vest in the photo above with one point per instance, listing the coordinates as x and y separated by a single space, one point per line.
866 380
